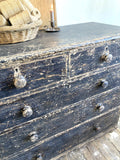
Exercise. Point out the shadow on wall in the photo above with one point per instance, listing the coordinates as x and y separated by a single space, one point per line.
80 11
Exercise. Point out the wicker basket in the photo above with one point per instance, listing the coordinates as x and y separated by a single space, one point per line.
14 34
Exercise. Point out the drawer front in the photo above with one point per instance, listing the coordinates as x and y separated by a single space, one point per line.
89 58
57 121
57 144
58 97
37 74
12 115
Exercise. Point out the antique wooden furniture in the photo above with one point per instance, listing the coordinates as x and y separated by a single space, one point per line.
58 90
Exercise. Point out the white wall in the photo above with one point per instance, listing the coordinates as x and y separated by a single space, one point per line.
80 11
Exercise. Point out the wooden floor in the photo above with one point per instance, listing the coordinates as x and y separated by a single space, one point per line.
106 147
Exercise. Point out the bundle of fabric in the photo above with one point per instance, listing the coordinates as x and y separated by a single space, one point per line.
17 12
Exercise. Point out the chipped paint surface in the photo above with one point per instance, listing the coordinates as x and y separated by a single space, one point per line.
62 90
103 149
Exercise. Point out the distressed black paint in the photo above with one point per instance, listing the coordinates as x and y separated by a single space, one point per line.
63 71
67 140
88 58
38 74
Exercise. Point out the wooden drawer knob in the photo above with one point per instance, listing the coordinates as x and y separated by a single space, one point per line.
19 79
39 157
27 111
33 136
103 83
96 128
106 55
99 107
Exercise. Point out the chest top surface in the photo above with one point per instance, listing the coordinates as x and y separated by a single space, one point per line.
69 36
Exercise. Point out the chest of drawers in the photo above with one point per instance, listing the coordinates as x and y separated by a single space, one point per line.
58 90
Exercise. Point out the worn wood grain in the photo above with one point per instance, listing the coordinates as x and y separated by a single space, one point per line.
63 71
89 58
108 149
87 153
75 155
70 37
11 114
114 138
47 71
58 143
62 95
111 137
95 153
38 74
78 87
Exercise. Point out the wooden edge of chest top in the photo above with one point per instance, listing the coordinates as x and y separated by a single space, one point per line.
70 37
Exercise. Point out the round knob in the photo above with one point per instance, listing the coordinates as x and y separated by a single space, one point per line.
103 83
33 136
19 79
99 107
27 111
96 128
39 157
106 55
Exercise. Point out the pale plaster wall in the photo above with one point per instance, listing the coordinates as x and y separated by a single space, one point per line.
80 11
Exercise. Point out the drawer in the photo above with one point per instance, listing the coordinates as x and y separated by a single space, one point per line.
58 143
57 121
88 58
58 97
37 74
